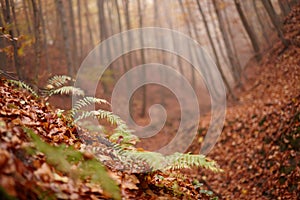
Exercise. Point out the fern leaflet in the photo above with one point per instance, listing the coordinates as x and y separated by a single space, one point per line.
86 101
59 80
23 85
67 90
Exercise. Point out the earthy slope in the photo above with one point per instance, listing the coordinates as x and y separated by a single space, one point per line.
259 146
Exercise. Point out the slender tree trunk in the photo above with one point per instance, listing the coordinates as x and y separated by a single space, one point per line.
3 62
103 31
284 7
215 29
226 39
88 25
190 34
128 27
120 30
16 26
238 68
80 29
144 88
25 6
214 50
73 36
65 34
260 21
8 21
275 20
251 34
37 43
45 45
170 23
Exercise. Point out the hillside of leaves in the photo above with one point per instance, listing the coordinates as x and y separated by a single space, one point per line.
39 159
259 146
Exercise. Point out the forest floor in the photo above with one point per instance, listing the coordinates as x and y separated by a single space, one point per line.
258 148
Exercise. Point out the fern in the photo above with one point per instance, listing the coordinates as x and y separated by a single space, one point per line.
86 101
102 114
62 158
176 161
58 80
180 161
23 85
67 90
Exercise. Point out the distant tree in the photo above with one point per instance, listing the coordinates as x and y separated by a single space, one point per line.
275 20
80 29
37 42
249 30
3 59
65 33
88 24
261 22
13 10
214 50
28 22
6 10
144 87
45 43
73 35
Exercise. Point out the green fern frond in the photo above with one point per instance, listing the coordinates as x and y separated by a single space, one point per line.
101 114
23 85
67 90
157 161
86 101
181 161
62 158
59 80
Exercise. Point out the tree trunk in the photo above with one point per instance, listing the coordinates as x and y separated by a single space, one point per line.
16 26
238 68
144 88
260 21
3 62
45 45
192 56
275 21
249 30
284 7
37 42
29 29
215 51
65 34
8 21
73 36
80 29
88 25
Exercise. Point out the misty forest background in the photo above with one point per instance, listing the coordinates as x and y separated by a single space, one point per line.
44 38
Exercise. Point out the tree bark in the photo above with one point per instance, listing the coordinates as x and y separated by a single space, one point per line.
215 51
73 36
13 39
80 29
29 29
260 21
250 32
37 42
144 87
45 45
276 21
3 62
65 34
88 25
